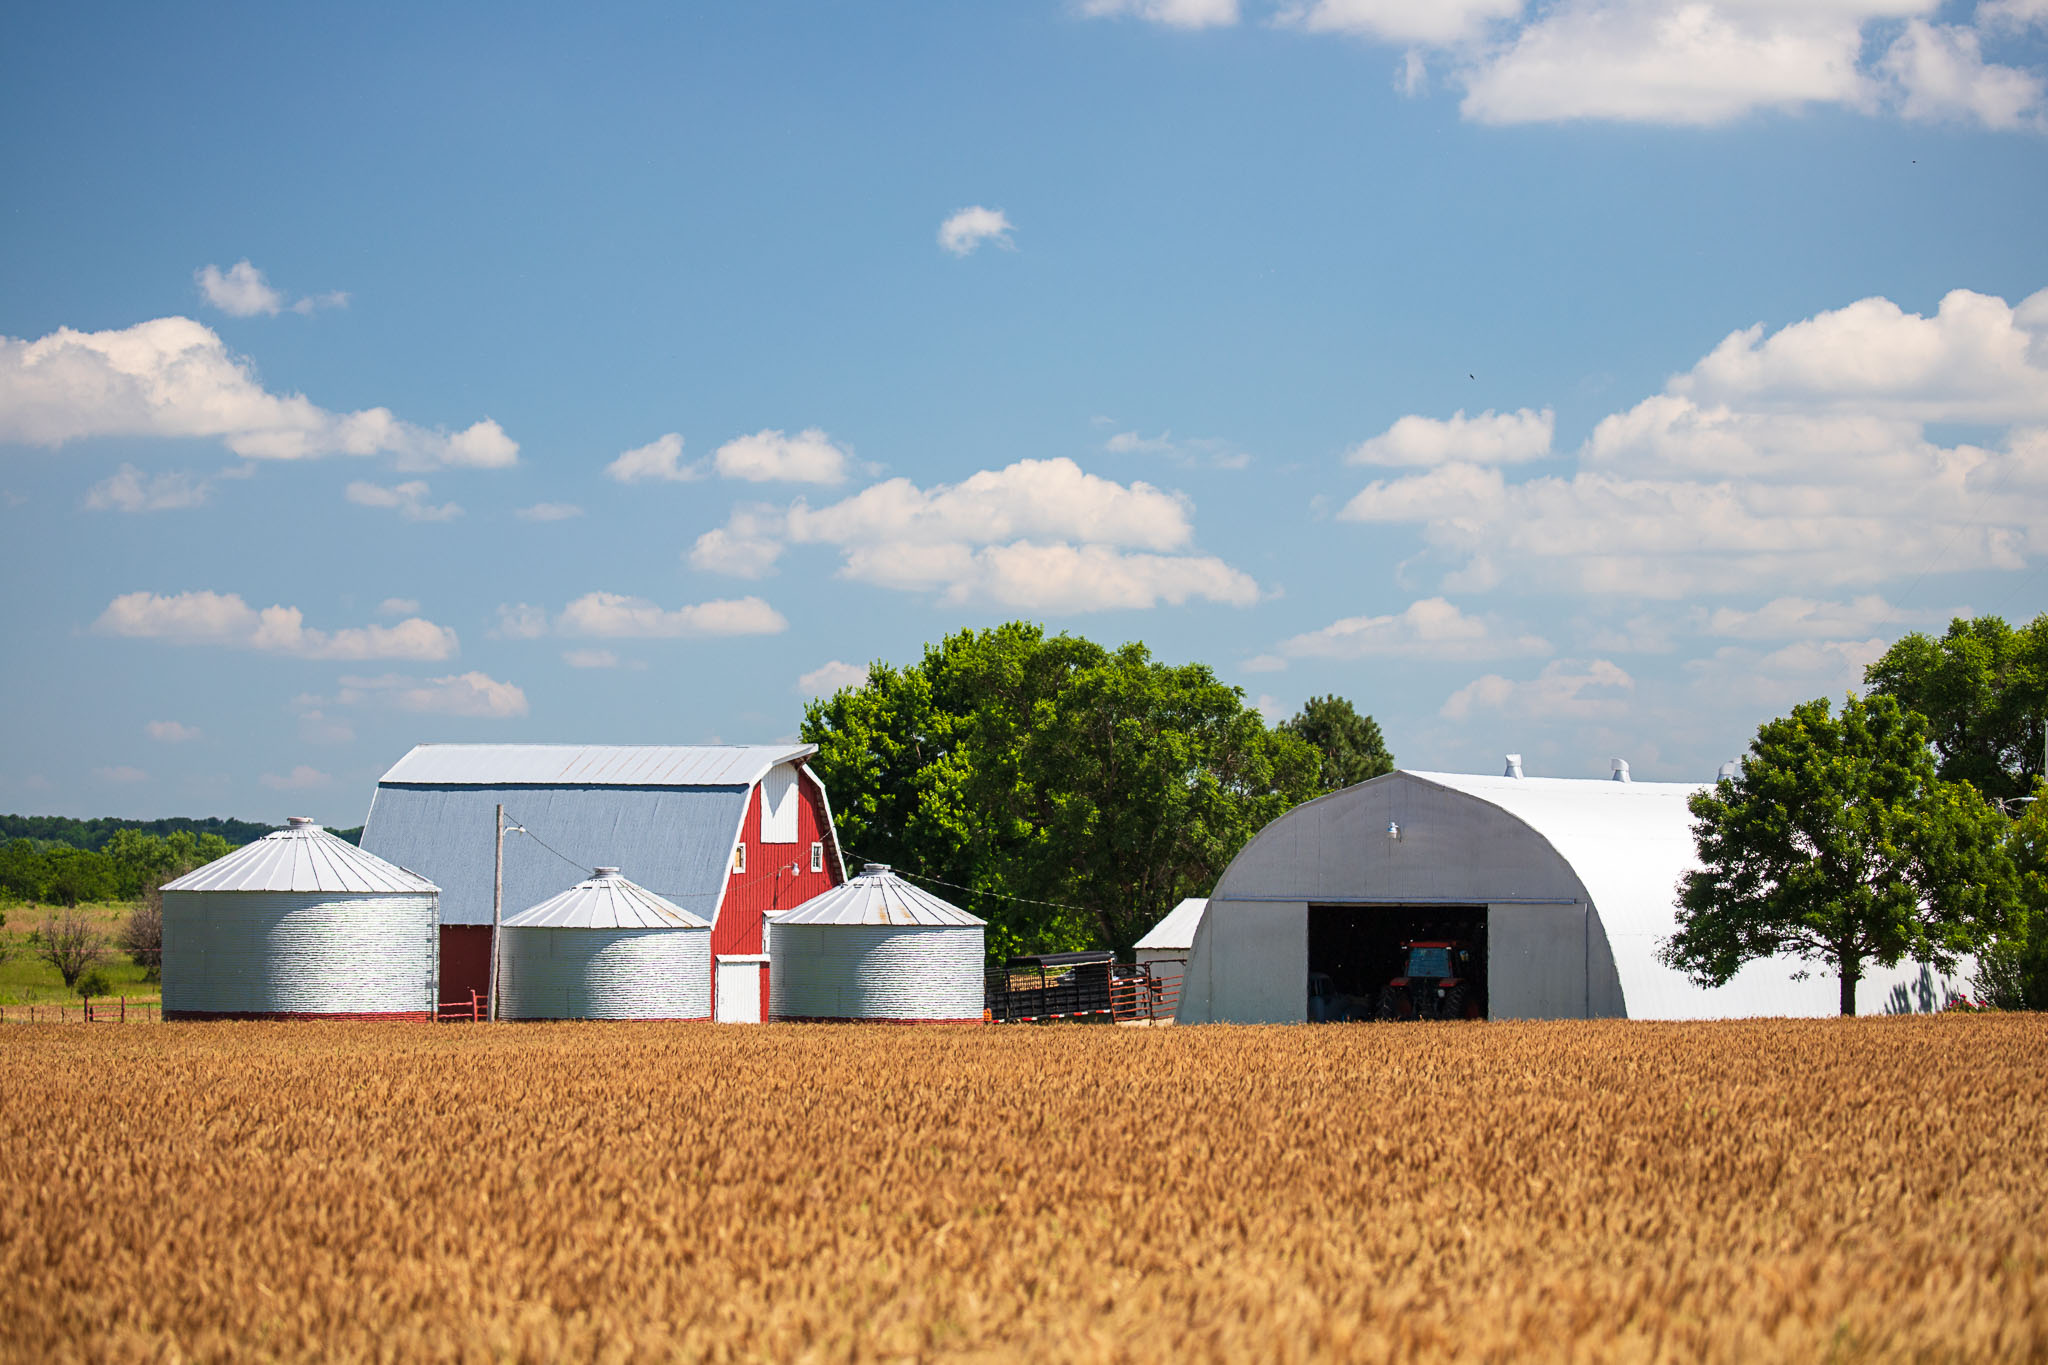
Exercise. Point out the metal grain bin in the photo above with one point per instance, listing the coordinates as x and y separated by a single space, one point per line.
876 948
300 924
606 948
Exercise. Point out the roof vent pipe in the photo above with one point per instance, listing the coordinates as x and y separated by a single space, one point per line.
298 821
1620 766
1514 766
1729 770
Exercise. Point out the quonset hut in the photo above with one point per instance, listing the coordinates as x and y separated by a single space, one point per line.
727 832
605 949
1565 888
876 949
300 925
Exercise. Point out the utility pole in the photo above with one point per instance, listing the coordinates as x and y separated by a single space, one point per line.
497 904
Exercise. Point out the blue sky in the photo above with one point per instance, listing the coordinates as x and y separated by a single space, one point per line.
1582 378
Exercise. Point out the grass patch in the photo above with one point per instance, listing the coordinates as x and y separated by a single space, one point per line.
26 979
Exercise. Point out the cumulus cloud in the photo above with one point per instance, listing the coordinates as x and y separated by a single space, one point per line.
1429 629
1942 77
1489 438
660 459
409 500
1801 456
521 621
1566 688
171 731
1038 534
590 658
1171 13
224 619
174 377
1785 618
1191 451
610 615
241 291
966 230
121 773
1439 23
1767 682
463 694
302 778
771 457
829 677
549 511
128 489
398 606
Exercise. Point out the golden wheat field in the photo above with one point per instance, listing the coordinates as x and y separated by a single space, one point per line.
1854 1189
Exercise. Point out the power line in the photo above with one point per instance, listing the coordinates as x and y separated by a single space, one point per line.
585 868
977 891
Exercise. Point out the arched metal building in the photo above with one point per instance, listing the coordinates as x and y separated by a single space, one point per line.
1564 888
605 949
876 948
300 924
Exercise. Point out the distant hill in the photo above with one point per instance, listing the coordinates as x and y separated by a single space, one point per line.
93 834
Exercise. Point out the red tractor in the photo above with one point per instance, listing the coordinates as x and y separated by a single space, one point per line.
1439 983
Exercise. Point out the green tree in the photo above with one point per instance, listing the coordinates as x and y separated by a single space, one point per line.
1039 773
70 941
2012 972
73 875
1838 843
1349 744
1984 690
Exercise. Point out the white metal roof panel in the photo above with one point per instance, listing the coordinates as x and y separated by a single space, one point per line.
1177 929
876 896
606 900
303 857
592 765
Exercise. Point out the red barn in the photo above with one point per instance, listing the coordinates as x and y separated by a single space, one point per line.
730 832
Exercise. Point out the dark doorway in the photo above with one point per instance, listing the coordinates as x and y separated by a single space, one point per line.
465 963
1355 950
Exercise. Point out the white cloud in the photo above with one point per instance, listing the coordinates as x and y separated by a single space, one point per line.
1798 457
590 658
1429 629
409 500
830 677
1171 13
1439 23
1566 688
302 778
523 621
610 615
2011 15
1768 683
463 694
1039 534
549 511
660 459
121 773
1943 78
171 731
1191 452
173 377
1270 708
398 606
210 618
771 457
241 291
317 727
128 489
966 230
1785 618
1489 438
1264 663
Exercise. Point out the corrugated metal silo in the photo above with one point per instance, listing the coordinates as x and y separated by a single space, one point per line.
300 924
876 948
606 948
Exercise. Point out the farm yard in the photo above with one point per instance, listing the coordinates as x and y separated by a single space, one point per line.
1858 1188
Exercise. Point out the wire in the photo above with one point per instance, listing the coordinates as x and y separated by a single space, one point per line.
521 827
977 891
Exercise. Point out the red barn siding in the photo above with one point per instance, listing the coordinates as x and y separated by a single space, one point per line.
465 962
751 894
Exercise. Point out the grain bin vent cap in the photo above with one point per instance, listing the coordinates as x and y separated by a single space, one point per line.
304 857
606 900
877 896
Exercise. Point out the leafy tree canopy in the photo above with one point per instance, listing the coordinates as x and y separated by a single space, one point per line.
2012 973
93 834
1350 745
1838 843
1057 772
1984 690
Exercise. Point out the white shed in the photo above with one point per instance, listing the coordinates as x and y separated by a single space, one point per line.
1565 889
876 948
606 948
1167 946
300 924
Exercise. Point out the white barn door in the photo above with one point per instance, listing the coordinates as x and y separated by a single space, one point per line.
739 989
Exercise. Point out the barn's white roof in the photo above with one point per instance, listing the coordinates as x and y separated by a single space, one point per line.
1176 932
593 765
303 857
606 900
876 896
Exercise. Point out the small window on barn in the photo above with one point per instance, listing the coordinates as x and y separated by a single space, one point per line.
817 857
739 858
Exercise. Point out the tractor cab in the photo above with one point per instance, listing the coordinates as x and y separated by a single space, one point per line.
1440 983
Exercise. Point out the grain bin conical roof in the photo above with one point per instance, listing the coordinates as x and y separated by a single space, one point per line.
303 857
606 900
876 896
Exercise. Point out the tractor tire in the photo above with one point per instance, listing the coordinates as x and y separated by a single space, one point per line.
1395 1004
1454 1004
